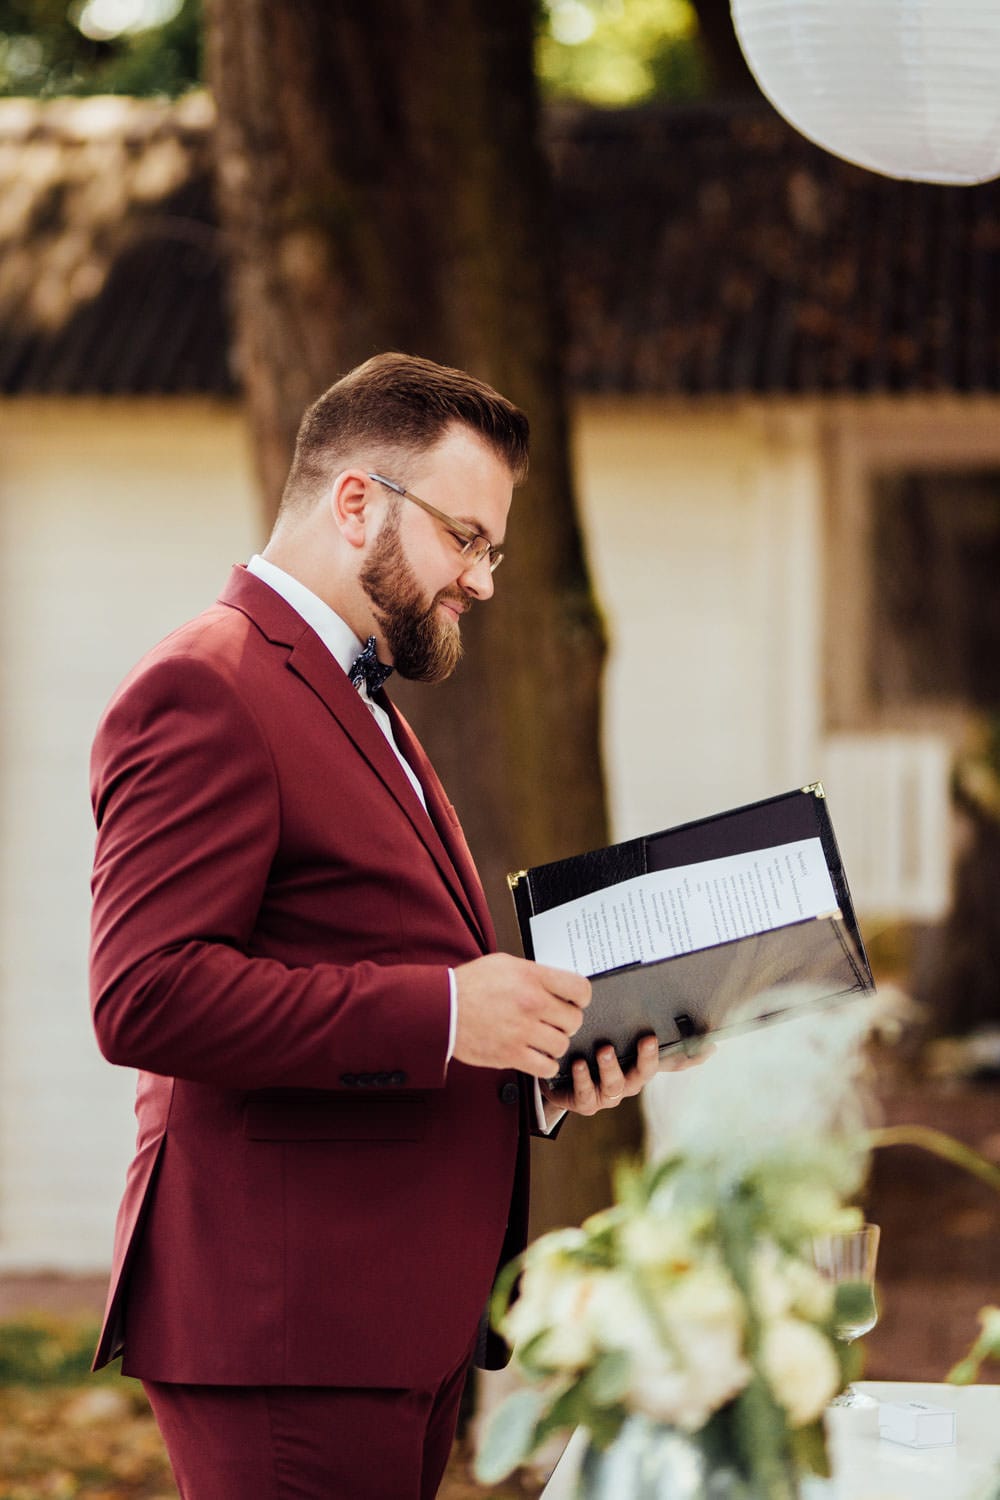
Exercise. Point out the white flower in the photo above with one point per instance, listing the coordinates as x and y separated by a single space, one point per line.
812 1295
567 1345
705 1322
800 1367
661 1390
806 1207
658 1242
685 1351
553 1299
684 1386
554 1248
616 1315
784 1284
706 1295
771 1291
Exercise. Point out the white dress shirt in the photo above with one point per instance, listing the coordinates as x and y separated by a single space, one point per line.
339 639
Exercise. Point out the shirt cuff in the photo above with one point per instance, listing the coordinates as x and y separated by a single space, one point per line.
545 1126
453 1023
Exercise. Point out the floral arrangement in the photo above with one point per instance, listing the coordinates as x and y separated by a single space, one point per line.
690 1305
686 1327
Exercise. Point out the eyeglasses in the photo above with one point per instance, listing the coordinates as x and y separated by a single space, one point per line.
474 547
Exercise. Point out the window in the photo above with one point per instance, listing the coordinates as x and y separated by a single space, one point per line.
934 638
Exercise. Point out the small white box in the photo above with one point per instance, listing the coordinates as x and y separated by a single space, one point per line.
917 1424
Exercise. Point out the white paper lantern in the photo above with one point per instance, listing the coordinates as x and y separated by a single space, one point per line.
910 88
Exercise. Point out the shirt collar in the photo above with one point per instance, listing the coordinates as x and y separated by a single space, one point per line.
336 635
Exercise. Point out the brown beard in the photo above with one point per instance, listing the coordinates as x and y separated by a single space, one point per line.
425 647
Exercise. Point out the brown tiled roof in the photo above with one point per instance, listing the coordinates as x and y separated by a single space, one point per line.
713 249
111 276
707 249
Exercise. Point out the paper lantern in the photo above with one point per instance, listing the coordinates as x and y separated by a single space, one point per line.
910 88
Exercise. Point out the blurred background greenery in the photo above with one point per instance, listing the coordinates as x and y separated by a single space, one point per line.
611 52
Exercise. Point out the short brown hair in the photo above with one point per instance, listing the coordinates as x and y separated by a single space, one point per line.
404 403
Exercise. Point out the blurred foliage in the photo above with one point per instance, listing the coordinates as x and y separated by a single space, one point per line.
611 52
620 52
961 987
44 52
66 1433
976 777
41 1350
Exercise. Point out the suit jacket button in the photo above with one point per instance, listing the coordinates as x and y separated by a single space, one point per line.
509 1092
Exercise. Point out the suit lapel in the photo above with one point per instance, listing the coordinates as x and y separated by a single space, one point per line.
445 820
310 660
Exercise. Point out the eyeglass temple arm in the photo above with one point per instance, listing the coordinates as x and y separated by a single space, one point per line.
398 489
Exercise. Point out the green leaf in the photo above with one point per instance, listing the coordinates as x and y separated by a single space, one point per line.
761 1437
527 1356
504 1289
964 1373
738 1231
552 1422
808 1446
987 1346
607 1380
717 1440
631 1183
509 1436
604 1426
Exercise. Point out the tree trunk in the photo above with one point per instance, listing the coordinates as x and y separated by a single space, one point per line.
727 66
382 186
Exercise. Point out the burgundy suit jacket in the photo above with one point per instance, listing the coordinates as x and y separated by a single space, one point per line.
316 1198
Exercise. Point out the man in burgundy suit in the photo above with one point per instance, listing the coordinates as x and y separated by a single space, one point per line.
338 1073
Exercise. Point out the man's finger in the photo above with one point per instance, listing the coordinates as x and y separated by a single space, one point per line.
564 984
613 1083
647 1062
562 1017
585 1098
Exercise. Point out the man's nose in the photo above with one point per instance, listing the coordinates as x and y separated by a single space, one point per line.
477 579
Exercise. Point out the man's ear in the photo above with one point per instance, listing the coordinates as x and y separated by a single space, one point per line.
350 505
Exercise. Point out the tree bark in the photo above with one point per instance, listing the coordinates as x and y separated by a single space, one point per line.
727 66
382 185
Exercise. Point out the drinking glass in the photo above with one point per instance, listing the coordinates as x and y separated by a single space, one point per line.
848 1261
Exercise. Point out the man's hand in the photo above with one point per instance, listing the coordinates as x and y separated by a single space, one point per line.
513 1013
612 1084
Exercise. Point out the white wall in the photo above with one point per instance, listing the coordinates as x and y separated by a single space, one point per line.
117 521
704 533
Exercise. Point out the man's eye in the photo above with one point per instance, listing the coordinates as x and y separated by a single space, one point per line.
461 542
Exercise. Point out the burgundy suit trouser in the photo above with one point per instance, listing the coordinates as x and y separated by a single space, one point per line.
307 1442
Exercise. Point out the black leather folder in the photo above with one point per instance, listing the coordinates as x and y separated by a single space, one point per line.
729 986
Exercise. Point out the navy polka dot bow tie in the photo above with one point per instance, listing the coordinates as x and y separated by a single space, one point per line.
368 669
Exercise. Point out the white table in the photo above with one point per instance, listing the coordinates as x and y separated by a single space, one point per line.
867 1468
